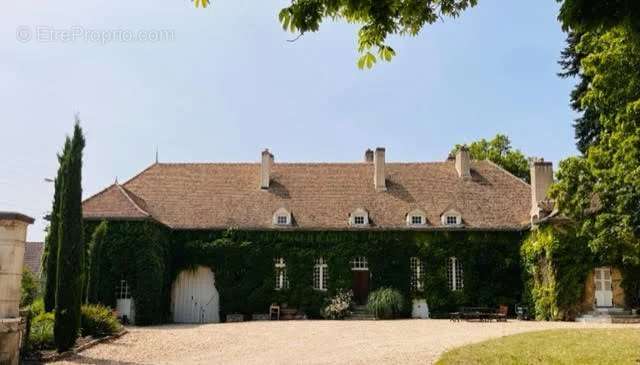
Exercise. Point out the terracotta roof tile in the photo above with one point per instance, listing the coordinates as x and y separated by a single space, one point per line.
319 195
33 256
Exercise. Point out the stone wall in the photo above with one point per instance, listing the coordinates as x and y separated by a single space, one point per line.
589 298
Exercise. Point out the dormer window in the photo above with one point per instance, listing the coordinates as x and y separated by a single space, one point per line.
359 218
282 217
416 218
452 218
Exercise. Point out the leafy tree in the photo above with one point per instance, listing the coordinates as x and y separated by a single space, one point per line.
71 248
587 125
585 15
378 19
50 256
499 151
601 190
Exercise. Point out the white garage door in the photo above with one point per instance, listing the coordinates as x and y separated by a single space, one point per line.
194 298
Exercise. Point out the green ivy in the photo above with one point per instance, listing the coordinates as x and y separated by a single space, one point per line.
556 263
150 257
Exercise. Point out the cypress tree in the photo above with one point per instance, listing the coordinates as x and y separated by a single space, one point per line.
71 249
50 257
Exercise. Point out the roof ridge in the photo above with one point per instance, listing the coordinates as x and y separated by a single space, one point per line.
294 163
125 193
140 173
507 172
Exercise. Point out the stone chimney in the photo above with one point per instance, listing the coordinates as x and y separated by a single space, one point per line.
541 180
463 163
265 169
368 156
379 177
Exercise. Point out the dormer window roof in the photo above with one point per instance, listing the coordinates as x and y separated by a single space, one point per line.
416 218
451 218
359 218
282 217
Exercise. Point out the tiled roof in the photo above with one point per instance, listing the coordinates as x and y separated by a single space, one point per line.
319 195
33 256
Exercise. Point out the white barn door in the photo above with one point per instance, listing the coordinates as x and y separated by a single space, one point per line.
194 297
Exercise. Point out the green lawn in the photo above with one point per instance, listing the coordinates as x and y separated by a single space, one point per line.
573 346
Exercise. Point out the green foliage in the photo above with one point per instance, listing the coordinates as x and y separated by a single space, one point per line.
385 303
499 151
339 305
243 264
556 262
50 255
29 288
41 331
601 190
98 320
136 252
588 15
379 20
71 250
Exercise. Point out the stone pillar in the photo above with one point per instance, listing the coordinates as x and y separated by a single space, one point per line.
13 234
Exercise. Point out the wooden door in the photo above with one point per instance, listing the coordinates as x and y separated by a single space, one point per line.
360 286
604 293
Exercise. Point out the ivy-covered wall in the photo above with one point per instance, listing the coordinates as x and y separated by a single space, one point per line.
557 260
150 257
137 252
556 264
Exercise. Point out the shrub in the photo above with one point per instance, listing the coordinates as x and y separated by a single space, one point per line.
337 307
97 320
41 332
29 289
385 303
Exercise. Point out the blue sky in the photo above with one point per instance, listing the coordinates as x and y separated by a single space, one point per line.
229 84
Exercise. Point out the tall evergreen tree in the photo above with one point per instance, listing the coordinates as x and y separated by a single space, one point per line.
71 248
587 125
50 257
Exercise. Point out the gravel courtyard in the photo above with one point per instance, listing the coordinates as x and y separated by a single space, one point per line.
309 342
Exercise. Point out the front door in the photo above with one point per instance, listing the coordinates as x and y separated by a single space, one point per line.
360 286
604 293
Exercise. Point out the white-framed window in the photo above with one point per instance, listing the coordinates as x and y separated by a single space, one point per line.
320 274
122 290
282 217
455 274
359 218
452 218
282 281
359 263
416 217
417 274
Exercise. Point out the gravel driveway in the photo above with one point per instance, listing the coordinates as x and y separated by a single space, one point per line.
309 342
